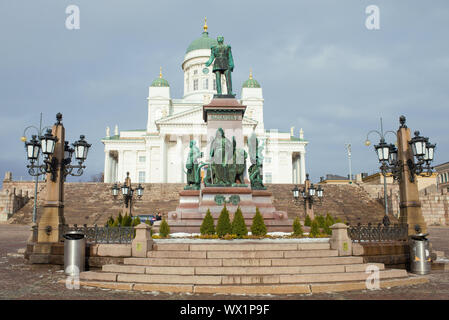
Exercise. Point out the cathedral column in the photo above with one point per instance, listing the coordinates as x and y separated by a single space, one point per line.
120 175
163 163
298 170
303 167
180 158
107 167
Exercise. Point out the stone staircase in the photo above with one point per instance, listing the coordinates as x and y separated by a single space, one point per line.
92 203
242 267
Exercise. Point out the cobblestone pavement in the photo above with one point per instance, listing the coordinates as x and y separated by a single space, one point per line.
19 280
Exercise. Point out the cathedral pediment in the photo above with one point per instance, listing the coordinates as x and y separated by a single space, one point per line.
192 116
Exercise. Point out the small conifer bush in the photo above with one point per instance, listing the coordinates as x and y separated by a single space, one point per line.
110 222
136 221
238 224
321 221
164 229
307 221
329 220
207 227
224 223
314 229
258 227
119 218
297 228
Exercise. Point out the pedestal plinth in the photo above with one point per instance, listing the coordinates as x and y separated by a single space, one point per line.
193 205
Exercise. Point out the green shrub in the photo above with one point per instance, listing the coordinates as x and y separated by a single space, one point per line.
136 221
164 229
338 220
126 221
329 220
314 229
297 228
307 221
110 222
119 218
321 221
258 227
238 224
224 223
327 230
207 227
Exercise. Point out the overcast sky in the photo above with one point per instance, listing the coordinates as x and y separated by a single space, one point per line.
319 66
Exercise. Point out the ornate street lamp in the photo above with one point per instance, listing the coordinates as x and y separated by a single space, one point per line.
308 193
127 192
386 154
56 156
51 163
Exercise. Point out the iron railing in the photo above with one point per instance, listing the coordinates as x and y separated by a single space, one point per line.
371 233
98 234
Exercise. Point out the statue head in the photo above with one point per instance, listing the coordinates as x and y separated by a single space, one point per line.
220 133
220 39
192 143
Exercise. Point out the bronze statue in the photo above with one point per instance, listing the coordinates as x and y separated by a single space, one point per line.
193 168
256 158
221 55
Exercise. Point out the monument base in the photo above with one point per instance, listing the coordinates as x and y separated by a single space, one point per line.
194 204
224 96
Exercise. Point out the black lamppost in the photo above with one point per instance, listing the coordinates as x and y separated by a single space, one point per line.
127 192
387 154
308 193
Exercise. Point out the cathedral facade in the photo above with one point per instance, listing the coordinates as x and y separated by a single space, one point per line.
158 153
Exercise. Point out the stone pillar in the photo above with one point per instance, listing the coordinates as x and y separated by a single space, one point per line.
121 164
180 158
53 214
143 242
107 167
410 206
302 167
340 240
163 161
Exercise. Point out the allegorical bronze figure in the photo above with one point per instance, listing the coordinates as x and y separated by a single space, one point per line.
221 55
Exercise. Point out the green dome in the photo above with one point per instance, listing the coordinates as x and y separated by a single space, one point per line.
160 82
204 42
251 83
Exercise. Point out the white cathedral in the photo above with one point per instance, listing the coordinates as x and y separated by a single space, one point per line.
158 153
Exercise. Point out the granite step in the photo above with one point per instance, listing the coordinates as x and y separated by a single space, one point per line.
242 246
223 262
239 279
240 254
260 289
248 270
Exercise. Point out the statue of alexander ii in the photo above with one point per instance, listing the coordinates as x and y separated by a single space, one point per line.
223 65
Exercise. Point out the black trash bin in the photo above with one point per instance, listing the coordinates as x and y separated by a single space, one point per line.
74 252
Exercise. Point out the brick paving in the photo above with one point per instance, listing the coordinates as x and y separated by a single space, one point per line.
19 280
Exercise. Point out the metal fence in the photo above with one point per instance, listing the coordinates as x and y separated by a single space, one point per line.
372 233
98 234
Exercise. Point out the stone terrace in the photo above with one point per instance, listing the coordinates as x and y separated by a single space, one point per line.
92 203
